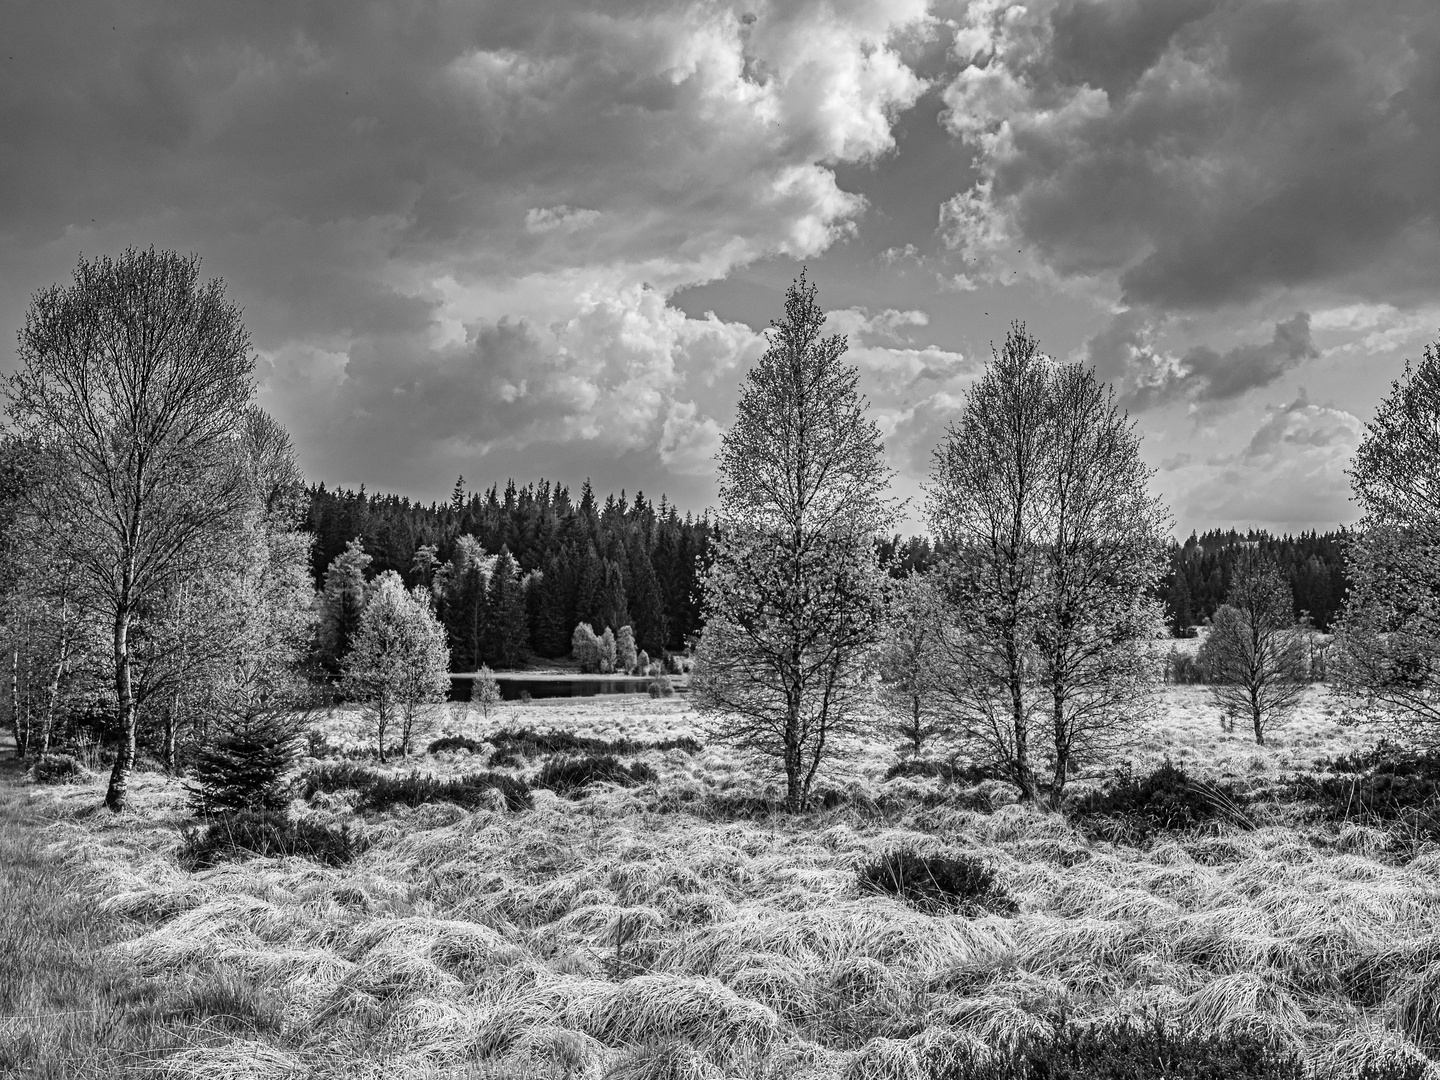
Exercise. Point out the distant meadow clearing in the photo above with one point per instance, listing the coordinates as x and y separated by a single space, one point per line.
657 930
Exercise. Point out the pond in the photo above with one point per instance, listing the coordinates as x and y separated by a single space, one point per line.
513 686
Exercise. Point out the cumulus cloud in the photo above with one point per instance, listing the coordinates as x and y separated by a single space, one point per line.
1290 475
1125 352
454 226
1198 153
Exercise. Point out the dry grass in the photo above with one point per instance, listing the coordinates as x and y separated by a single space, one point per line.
606 937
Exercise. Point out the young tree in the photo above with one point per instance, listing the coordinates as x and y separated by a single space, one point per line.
794 594
1387 645
1039 495
585 647
607 651
485 691
132 387
1254 654
399 664
909 662
626 658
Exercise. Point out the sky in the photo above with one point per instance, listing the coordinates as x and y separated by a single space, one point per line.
544 240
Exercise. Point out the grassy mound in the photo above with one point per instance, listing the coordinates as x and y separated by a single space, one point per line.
269 834
1131 809
937 882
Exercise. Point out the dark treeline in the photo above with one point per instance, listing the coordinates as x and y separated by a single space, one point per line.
1201 567
611 564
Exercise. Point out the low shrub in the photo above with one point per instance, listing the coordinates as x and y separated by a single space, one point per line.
1132 808
937 882
451 743
662 687
948 772
1385 785
379 791
513 745
269 834
59 769
572 775
468 791
1127 1051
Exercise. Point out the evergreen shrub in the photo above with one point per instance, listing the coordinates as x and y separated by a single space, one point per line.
246 764
937 882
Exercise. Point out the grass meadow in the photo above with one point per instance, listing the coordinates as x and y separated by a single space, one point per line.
643 933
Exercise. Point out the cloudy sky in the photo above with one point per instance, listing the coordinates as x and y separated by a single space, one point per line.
542 239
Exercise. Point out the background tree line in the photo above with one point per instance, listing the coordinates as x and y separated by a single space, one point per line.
515 572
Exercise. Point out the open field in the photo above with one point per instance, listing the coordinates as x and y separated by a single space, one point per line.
636 933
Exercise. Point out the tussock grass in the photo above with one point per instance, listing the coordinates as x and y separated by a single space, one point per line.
630 933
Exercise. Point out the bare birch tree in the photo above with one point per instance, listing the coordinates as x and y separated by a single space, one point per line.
1254 654
794 599
1387 645
1039 495
133 385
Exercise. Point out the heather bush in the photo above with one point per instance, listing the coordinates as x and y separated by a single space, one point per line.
572 775
470 791
936 882
948 772
1385 785
525 743
268 834
1128 1051
449 744
1131 809
378 791
59 769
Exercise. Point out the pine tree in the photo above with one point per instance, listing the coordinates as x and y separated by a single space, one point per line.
343 603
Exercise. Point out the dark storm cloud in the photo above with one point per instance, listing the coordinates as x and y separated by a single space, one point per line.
1208 152
1125 353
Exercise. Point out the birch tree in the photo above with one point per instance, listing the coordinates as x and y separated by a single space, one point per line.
1039 495
1254 655
1387 645
132 387
794 595
398 664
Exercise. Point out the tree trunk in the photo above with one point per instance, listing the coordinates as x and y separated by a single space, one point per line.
115 797
172 728
49 724
1256 719
20 739
1024 780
